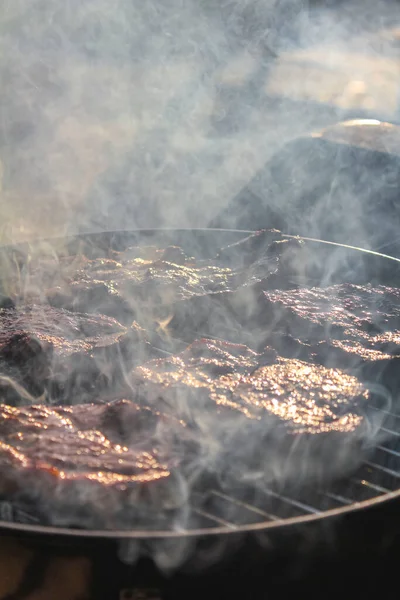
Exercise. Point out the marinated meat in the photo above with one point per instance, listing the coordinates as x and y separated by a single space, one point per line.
347 326
358 319
70 356
144 283
137 289
236 377
91 465
292 406
243 401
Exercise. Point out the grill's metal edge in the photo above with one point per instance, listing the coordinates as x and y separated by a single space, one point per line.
196 533
273 522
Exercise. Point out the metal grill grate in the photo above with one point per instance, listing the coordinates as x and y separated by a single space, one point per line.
374 478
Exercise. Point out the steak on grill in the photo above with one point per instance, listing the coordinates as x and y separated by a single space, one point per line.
91 465
144 283
261 413
136 289
349 316
347 326
70 356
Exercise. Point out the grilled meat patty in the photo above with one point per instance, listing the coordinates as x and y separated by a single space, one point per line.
91 465
261 413
70 356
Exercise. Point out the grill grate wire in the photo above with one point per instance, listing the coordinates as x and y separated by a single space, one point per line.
290 506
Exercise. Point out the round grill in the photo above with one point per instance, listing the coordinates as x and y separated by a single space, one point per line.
253 507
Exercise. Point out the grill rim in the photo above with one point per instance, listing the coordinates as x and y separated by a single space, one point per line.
263 526
143 534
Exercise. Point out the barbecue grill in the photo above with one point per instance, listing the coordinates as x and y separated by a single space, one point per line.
254 531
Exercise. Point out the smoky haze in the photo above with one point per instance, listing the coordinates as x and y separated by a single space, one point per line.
154 114
148 114
252 425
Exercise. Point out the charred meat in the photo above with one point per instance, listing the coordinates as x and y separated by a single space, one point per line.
70 356
91 465
261 406
144 283
345 326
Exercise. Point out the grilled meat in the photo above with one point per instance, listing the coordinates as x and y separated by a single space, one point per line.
243 401
91 465
305 403
358 319
67 355
144 283
347 326
138 288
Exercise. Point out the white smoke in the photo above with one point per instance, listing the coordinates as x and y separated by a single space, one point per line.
148 114
132 114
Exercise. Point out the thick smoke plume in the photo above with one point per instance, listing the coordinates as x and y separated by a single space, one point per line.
141 114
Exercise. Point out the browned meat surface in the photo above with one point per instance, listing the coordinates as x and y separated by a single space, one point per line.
144 283
87 464
70 356
351 314
245 402
348 326
292 406
308 398
140 288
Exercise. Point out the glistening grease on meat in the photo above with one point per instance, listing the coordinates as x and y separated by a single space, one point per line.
70 356
138 283
258 407
92 465
347 326
293 407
